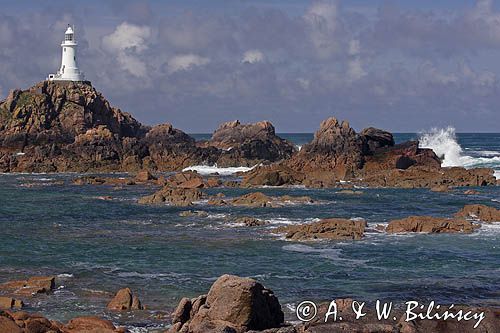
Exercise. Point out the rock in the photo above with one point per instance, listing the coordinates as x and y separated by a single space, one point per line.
259 199
125 300
334 229
212 182
421 176
188 179
90 324
480 212
8 325
430 224
335 149
250 221
30 287
233 304
374 138
144 176
440 188
350 192
9 303
173 196
249 144
471 192
272 175
190 213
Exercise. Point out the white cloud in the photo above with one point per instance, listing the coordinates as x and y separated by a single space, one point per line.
127 42
355 69
253 56
185 62
323 21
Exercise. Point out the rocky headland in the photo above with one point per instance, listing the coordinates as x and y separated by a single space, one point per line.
60 127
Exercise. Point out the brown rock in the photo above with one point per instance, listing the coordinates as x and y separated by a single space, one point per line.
174 196
125 300
440 188
430 225
259 199
144 176
89 324
32 286
480 212
188 179
335 229
233 304
471 192
9 302
8 325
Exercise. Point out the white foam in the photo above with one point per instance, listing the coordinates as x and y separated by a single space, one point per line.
65 275
328 253
444 143
207 170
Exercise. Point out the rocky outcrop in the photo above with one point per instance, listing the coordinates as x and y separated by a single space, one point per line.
10 303
336 149
374 139
173 196
23 322
250 221
124 300
233 304
482 213
259 199
431 224
334 229
70 126
249 144
32 286
429 177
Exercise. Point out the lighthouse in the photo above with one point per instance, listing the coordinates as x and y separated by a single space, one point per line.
69 69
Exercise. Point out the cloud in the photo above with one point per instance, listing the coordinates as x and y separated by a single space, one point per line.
127 43
186 62
252 56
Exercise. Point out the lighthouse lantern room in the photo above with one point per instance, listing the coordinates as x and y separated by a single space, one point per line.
69 70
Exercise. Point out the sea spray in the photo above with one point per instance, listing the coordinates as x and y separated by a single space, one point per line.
444 143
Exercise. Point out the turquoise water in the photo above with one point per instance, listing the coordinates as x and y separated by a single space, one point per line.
98 246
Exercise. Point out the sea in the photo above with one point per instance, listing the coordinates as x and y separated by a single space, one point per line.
95 247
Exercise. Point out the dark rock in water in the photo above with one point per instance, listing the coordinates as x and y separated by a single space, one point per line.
233 304
431 224
250 221
335 229
190 213
480 212
374 138
125 299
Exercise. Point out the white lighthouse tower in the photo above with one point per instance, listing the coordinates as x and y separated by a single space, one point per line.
69 70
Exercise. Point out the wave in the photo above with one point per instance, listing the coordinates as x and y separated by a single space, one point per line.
444 143
207 170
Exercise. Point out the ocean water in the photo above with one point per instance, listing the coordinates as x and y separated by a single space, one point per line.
96 246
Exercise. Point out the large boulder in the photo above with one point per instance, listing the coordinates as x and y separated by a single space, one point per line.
334 228
32 286
429 224
173 196
233 304
374 138
480 212
249 144
336 149
125 299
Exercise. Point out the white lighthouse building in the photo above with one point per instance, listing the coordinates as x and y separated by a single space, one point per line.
69 69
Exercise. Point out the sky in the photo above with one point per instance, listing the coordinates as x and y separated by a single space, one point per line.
404 66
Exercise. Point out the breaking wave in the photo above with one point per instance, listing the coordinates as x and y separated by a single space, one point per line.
207 170
444 143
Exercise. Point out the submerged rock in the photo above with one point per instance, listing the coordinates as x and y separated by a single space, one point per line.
334 229
431 224
233 304
480 212
259 199
250 221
